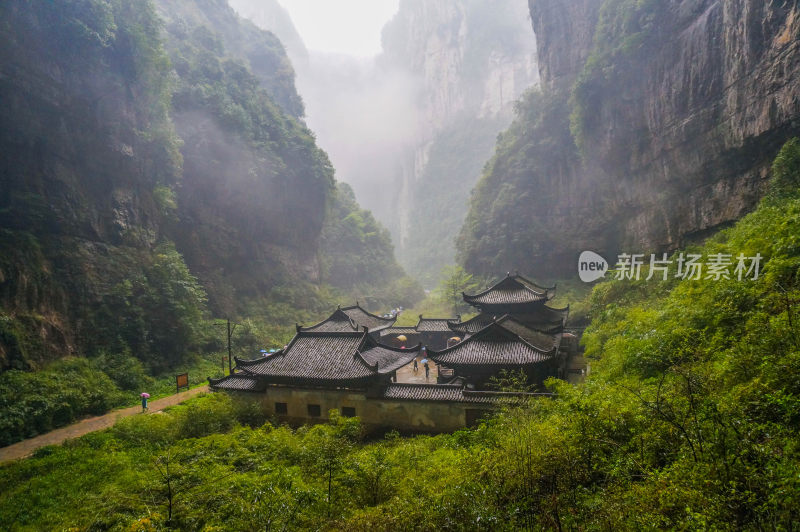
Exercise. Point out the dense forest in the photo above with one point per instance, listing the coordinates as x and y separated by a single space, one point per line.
158 178
156 174
687 421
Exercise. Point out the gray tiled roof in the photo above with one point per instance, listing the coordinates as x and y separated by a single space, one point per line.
450 393
349 319
367 319
398 330
339 321
389 359
328 358
492 346
431 392
238 383
544 318
513 290
473 325
542 340
316 356
435 324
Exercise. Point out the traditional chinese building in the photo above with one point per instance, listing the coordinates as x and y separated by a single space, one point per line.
503 344
515 330
400 336
338 359
350 372
521 298
350 319
433 333
345 362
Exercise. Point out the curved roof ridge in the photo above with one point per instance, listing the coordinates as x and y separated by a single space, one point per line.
365 344
251 361
509 317
365 311
492 326
473 319
525 284
417 347
358 356
524 279
338 312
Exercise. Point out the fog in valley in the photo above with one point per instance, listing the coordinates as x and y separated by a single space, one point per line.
411 127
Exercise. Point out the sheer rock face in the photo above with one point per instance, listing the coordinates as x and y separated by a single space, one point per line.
461 64
93 181
564 34
679 128
471 61
695 128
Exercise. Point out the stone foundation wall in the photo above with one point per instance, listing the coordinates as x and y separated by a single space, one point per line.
375 413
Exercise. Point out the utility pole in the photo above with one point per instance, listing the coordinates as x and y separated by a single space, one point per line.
230 356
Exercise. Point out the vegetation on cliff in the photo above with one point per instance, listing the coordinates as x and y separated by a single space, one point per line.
357 255
509 206
688 420
442 192
625 34
155 172
675 111
87 151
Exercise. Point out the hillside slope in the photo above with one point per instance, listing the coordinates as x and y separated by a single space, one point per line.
674 109
155 170
688 420
86 152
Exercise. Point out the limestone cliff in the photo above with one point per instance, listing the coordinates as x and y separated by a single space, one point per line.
676 110
472 60
128 143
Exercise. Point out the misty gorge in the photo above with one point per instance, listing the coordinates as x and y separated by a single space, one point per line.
399 264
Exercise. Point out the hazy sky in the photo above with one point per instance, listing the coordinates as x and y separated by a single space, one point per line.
351 27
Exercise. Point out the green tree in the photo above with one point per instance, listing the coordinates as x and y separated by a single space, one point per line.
326 449
455 281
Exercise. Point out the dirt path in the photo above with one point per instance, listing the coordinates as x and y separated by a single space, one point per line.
58 436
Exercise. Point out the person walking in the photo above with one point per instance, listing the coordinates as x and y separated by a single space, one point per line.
416 364
145 396
427 370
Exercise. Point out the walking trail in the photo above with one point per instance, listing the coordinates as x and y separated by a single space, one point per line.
58 436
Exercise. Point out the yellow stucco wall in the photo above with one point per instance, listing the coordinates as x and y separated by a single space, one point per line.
416 416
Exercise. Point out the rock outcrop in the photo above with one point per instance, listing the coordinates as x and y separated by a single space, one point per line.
677 109
147 163
472 61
